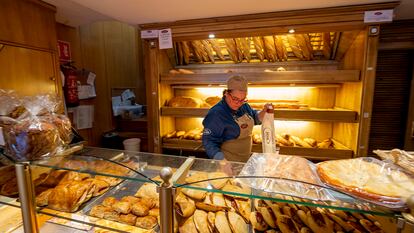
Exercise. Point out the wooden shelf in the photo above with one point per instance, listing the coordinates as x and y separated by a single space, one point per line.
312 114
310 153
267 78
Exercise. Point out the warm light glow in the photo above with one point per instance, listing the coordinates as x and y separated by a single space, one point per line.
278 93
291 30
210 91
287 127
211 36
262 93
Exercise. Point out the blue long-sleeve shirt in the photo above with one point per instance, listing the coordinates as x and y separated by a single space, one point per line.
220 126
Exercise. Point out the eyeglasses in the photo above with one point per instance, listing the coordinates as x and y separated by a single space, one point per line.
237 100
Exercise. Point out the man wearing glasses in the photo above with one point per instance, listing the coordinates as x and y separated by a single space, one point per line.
228 125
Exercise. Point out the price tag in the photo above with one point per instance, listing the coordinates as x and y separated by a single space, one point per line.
378 16
165 39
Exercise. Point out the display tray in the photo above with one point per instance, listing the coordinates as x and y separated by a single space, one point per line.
311 153
125 188
310 114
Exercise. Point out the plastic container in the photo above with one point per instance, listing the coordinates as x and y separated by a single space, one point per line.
132 144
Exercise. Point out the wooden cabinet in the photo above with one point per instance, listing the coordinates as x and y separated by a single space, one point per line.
335 85
27 71
28 56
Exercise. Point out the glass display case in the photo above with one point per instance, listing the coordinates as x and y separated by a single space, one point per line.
103 190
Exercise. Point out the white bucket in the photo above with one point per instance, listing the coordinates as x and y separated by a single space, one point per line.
132 144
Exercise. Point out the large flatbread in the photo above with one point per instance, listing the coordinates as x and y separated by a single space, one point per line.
367 178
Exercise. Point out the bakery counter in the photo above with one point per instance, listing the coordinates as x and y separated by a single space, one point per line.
87 192
308 114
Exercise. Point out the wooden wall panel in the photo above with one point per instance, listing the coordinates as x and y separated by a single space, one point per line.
93 57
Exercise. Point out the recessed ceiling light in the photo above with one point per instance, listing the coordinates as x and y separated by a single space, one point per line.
211 36
291 30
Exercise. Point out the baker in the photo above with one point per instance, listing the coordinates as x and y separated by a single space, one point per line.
228 125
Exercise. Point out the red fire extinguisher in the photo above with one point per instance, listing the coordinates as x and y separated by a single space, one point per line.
70 88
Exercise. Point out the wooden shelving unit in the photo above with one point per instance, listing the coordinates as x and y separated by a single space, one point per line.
267 78
340 73
311 114
341 152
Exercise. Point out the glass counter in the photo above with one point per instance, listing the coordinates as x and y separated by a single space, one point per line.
104 190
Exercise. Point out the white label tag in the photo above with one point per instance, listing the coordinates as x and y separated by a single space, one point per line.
146 34
378 16
165 39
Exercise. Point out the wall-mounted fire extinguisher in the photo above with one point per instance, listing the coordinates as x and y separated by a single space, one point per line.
70 87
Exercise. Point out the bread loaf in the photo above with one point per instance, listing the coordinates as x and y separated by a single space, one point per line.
184 101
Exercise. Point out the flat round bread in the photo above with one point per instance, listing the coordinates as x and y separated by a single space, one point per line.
367 178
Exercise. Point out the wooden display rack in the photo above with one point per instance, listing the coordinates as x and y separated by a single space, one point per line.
342 78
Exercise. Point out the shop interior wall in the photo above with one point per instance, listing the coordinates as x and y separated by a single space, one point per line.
111 50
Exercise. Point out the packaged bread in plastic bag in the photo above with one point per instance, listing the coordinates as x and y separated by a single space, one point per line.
40 133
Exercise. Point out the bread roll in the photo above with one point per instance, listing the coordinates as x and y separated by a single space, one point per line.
212 100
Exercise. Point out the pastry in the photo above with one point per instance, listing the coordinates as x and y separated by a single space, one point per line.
370 179
100 187
257 221
148 190
99 210
184 206
319 222
109 201
111 215
286 224
129 219
130 199
154 212
267 215
312 142
188 226
237 223
219 179
201 222
139 209
42 198
147 222
221 223
69 196
122 207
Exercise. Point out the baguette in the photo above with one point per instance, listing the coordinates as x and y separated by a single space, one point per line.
280 48
300 142
217 49
258 45
270 50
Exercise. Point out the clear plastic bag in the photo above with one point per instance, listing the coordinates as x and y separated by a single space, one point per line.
38 133
399 157
370 179
284 174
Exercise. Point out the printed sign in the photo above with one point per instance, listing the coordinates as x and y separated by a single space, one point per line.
146 34
165 39
64 51
378 16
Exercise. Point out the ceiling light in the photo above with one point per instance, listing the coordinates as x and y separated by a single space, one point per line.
291 30
211 36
